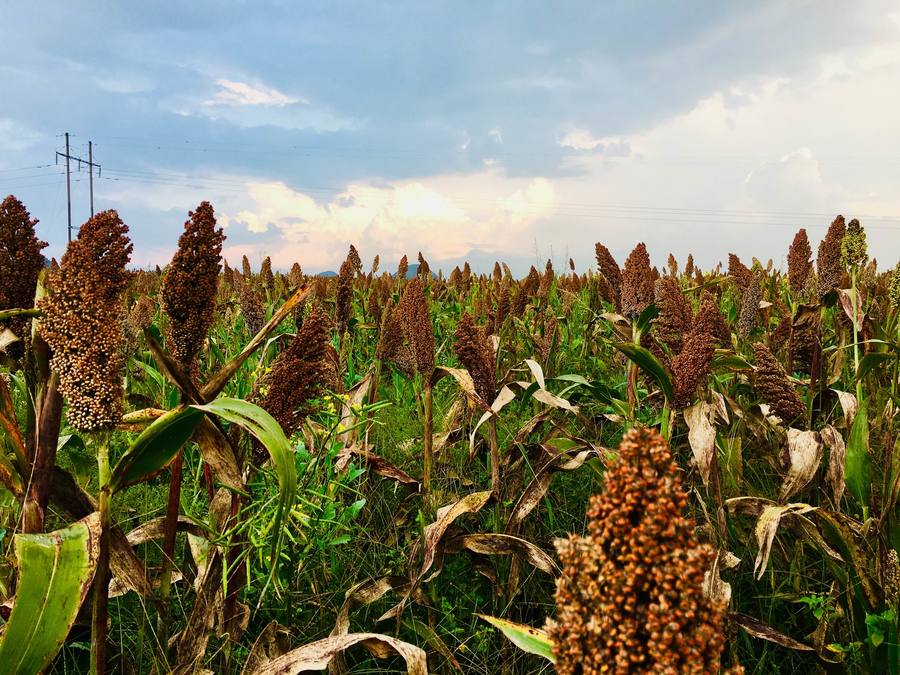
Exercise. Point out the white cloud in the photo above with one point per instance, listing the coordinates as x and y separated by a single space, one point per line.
746 167
124 83
582 139
15 137
232 92
443 217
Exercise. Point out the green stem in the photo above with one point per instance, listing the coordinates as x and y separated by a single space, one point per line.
20 313
101 577
428 440
495 457
859 392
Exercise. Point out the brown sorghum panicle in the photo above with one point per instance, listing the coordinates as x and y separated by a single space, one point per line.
423 271
675 315
295 276
689 265
709 319
266 278
630 599
546 280
799 262
355 260
774 387
609 270
637 282
403 268
245 267
828 260
251 307
21 262
298 373
415 319
738 271
750 305
672 265
343 299
138 318
690 368
81 322
475 351
190 285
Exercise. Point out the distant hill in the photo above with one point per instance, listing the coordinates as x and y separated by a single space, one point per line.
410 273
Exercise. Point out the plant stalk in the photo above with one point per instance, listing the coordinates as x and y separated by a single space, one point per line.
495 457
101 577
170 530
427 440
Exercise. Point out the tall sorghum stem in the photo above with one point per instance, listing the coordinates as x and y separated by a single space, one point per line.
495 457
101 577
853 291
427 440
171 527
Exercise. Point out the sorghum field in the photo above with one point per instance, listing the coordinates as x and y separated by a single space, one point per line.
641 467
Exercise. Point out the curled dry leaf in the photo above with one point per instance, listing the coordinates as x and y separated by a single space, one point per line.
274 641
804 456
190 645
433 538
537 488
847 304
837 454
552 400
620 324
721 408
317 655
849 405
355 398
376 463
363 593
505 396
769 516
713 586
504 544
154 529
537 372
702 436
217 452
764 631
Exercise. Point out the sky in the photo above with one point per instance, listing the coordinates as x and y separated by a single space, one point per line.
481 131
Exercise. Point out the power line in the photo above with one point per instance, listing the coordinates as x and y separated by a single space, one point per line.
571 209
89 162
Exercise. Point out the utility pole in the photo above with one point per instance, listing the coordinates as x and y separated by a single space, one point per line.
68 189
91 174
89 162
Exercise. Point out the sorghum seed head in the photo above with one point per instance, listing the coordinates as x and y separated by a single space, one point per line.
298 373
637 282
630 599
799 262
853 245
21 262
475 351
81 322
190 284
610 272
828 260
774 387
